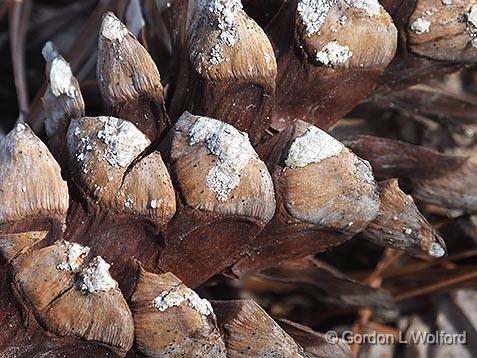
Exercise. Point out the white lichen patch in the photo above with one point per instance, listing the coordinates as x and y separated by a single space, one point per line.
364 171
124 142
222 17
20 127
75 254
153 204
19 132
96 277
228 38
61 79
437 250
232 149
420 26
215 55
312 14
128 202
333 54
446 2
313 146
472 25
60 75
224 12
113 29
179 294
85 145
370 7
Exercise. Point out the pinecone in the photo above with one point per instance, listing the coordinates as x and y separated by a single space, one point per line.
216 157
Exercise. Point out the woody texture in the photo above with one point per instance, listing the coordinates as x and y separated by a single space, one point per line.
227 178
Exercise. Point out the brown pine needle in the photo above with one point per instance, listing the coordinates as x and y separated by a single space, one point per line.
436 286
420 266
374 280
18 26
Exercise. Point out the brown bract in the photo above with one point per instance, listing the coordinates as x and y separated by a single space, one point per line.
171 319
223 187
329 186
88 306
229 70
446 32
128 78
250 332
233 48
38 278
97 312
218 171
399 224
328 52
62 100
352 34
325 195
107 164
395 159
454 190
30 181
435 38
443 179
327 284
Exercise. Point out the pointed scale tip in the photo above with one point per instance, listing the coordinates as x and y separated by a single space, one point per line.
20 127
59 72
49 52
112 28
437 250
